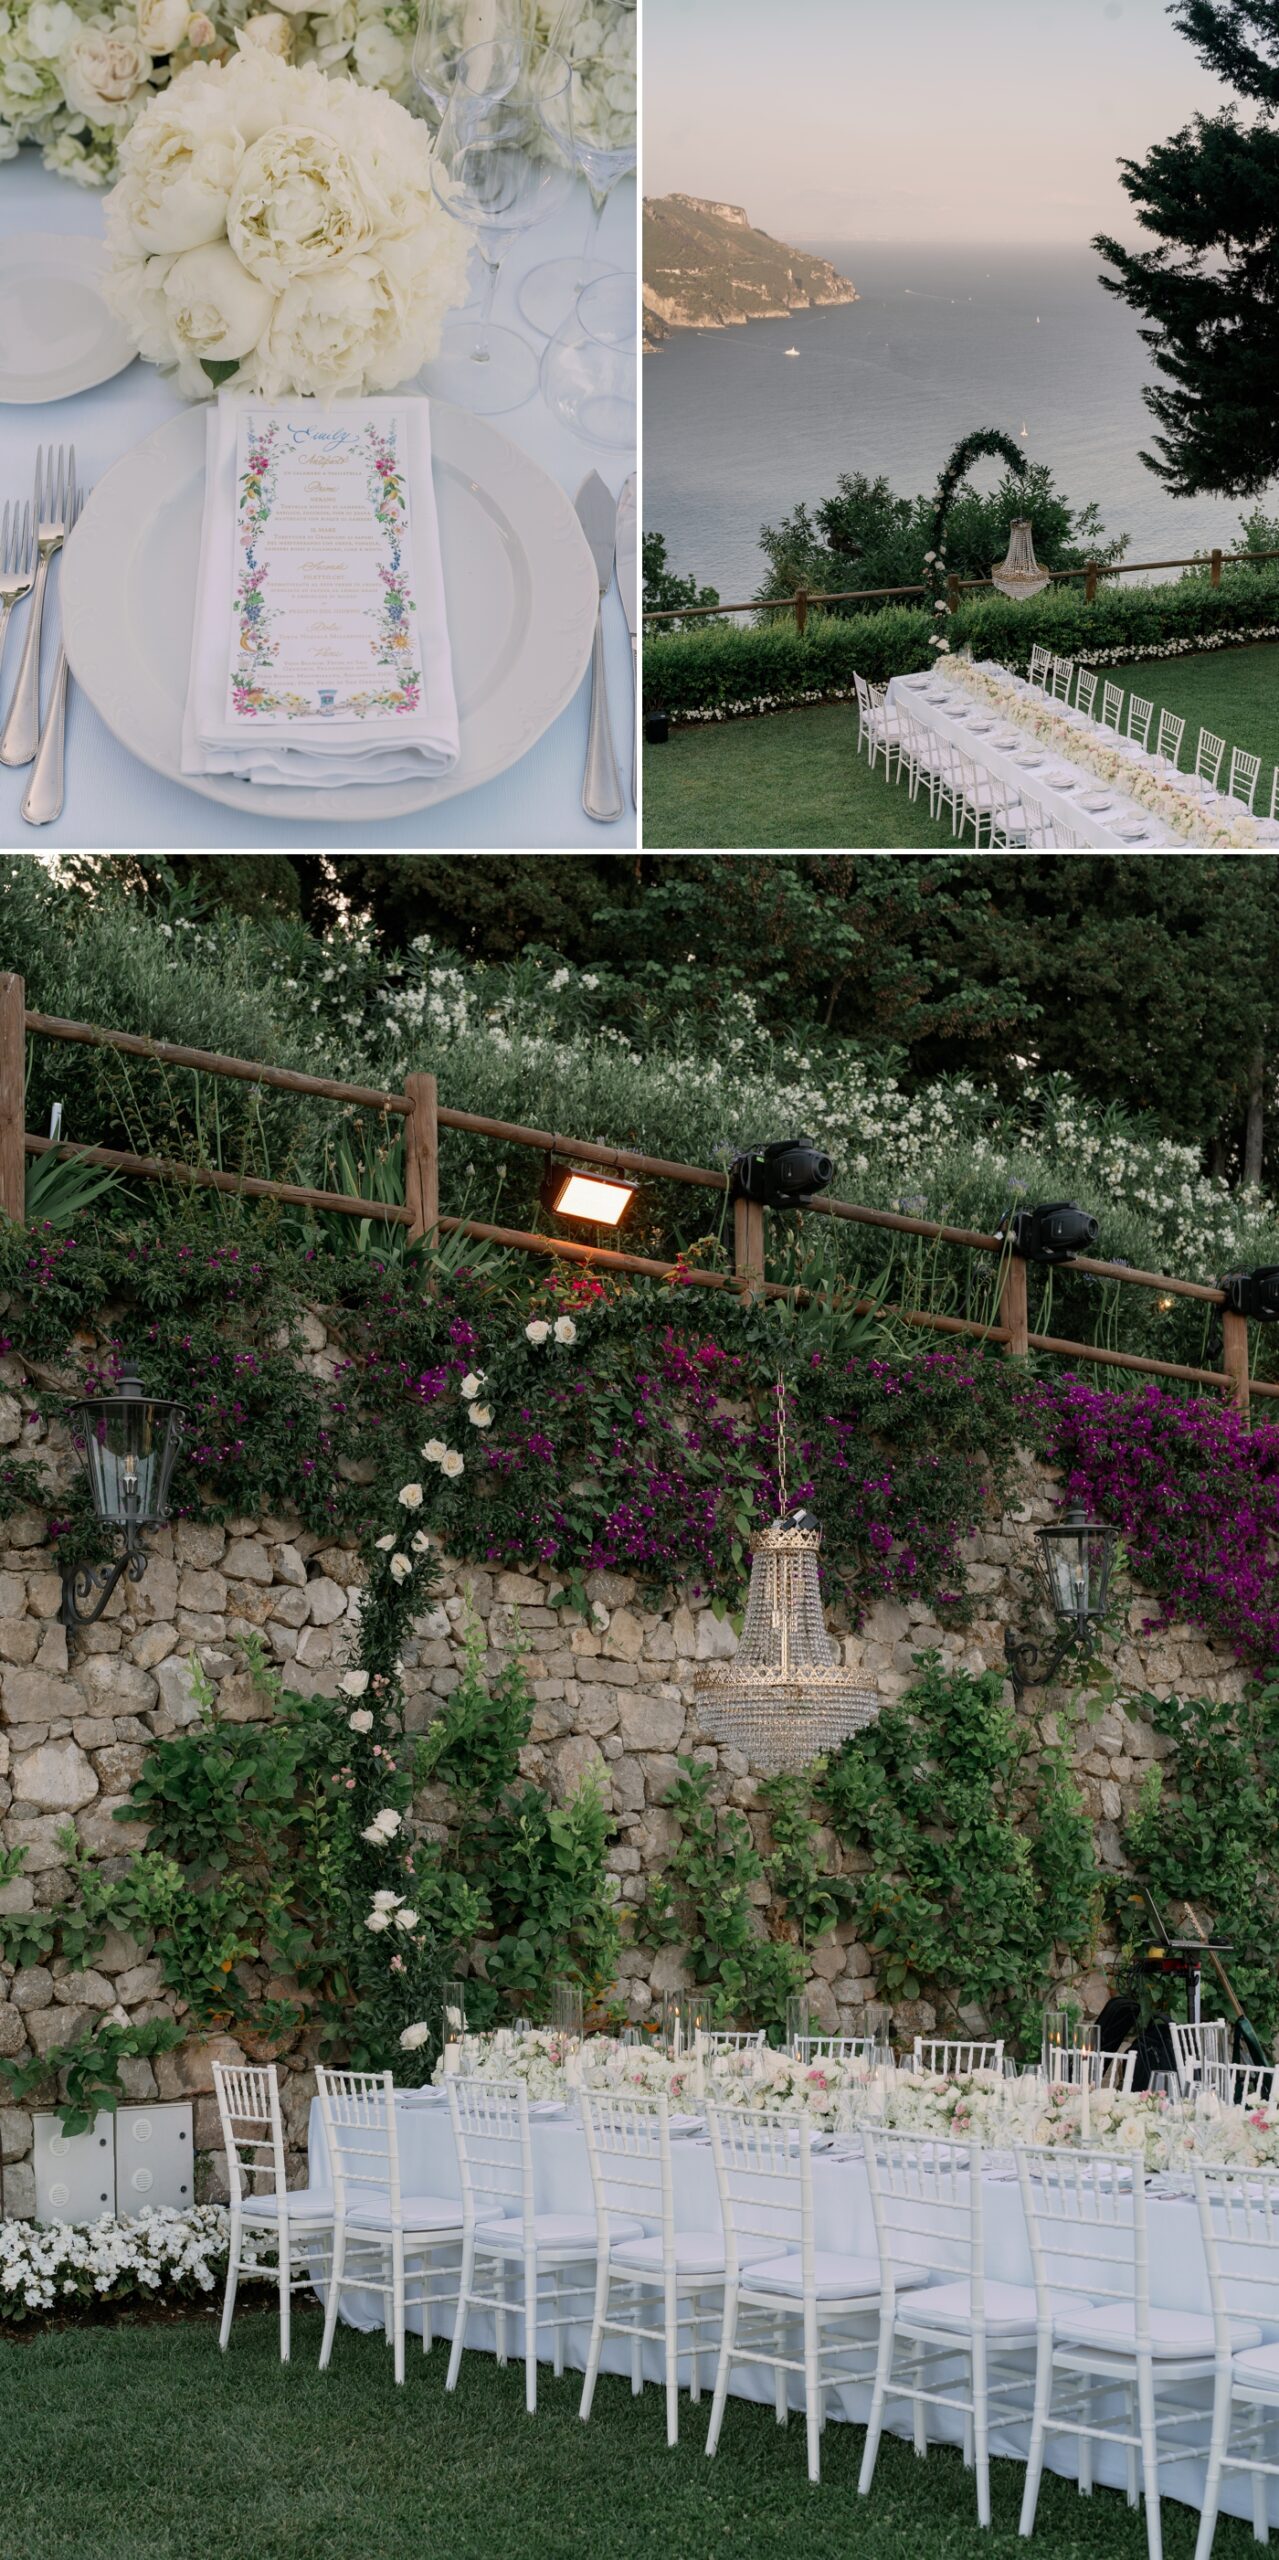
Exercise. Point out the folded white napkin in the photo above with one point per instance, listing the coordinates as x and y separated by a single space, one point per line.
324 752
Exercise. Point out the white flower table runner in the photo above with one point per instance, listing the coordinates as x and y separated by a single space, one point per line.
1059 786
111 799
841 2196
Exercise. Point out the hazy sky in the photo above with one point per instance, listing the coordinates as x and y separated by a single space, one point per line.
914 119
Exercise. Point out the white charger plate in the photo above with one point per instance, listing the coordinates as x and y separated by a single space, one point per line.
518 576
56 333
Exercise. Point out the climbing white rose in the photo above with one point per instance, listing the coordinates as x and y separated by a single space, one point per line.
401 1568
378 1920
537 1331
384 1899
481 1415
411 1496
433 1451
414 2037
404 1918
361 1721
452 1463
472 1383
354 1683
565 1329
384 1545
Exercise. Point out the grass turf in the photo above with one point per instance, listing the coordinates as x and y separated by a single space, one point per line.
146 2444
793 779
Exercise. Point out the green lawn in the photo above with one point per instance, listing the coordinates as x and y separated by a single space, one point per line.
794 779
145 2444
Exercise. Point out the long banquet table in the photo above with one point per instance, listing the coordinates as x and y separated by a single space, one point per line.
1058 783
844 2222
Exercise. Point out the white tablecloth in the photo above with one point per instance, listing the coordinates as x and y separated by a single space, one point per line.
844 2221
953 716
111 799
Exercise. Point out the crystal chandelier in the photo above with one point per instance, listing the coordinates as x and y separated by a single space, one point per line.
1020 575
786 1696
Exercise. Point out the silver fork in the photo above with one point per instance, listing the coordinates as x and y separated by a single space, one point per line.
17 563
22 728
42 801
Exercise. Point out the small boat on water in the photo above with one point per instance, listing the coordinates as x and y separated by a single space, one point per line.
1025 431
792 351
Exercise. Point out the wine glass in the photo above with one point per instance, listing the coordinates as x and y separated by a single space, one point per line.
492 171
593 126
446 31
588 370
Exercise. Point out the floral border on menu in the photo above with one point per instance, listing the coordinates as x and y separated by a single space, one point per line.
392 644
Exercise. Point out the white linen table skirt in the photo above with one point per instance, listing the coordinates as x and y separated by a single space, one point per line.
841 2195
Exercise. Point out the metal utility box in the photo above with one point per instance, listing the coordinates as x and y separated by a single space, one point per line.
75 2173
154 2158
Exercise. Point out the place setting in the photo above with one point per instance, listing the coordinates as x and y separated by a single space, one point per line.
333 585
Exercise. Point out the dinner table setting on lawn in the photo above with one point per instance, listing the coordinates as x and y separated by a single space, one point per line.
317 426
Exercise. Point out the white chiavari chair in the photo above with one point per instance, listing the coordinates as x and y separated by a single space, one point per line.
252 2125
978 800
1060 678
1086 693
1140 715
1070 2065
776 2277
1195 2045
384 2241
878 726
1172 729
947 796
1245 774
1239 2221
1112 707
955 2060
1241 2084
731 2039
628 2145
504 2235
936 2346
835 2049
1208 758
1040 662
1098 2337
1274 793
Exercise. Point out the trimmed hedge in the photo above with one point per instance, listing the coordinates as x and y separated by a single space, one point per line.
720 672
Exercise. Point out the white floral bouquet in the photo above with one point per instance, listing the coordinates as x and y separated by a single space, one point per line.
279 231
539 2056
75 75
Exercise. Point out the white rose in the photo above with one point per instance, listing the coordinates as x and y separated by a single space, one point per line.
354 1683
472 1383
215 310
481 1415
405 1919
162 24
390 1821
298 206
565 1329
267 33
380 58
433 1451
452 1463
361 1721
537 1331
414 2037
384 1545
200 31
378 1920
102 73
401 1568
421 1544
384 1899
411 1496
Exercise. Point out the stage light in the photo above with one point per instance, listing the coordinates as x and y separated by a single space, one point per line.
602 1199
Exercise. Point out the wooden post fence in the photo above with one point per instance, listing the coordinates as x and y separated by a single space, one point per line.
1234 1357
1013 1312
422 1156
748 1246
13 1088
801 610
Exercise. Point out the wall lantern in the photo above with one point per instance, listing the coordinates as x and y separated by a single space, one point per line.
1020 575
602 1199
1053 1234
787 1174
127 1444
1254 1293
1075 1557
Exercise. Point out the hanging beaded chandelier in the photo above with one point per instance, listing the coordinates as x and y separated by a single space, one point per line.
1020 575
786 1696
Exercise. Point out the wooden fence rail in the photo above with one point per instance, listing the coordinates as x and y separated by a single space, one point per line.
1091 571
423 1116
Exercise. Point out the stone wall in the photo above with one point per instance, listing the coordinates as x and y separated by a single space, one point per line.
614 1693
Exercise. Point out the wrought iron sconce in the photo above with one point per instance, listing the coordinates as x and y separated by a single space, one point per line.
127 1444
1075 1557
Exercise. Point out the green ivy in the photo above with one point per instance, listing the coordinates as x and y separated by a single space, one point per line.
87 2072
702 1903
974 1854
1206 1831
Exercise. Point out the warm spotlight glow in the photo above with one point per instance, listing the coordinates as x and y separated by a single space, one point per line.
587 1195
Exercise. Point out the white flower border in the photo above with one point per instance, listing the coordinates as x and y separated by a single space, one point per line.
59 2266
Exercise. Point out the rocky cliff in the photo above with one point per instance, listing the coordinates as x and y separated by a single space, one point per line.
706 267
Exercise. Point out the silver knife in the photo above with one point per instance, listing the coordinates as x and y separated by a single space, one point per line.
627 569
601 789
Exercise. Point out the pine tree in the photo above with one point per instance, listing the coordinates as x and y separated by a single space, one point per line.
1210 290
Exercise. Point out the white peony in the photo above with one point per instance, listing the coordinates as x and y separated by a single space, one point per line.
401 1568
414 2037
354 1683
538 1331
102 73
361 1721
481 1415
411 1496
215 310
162 24
452 1463
299 205
565 1329
179 163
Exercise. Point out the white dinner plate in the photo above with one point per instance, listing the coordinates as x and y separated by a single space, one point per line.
518 576
56 333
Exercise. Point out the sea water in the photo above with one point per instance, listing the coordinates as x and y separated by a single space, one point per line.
942 341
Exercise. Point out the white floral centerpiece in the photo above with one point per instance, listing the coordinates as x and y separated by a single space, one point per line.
279 231
75 75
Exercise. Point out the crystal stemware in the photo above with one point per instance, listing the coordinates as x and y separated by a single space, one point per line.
446 31
492 169
588 370
594 126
